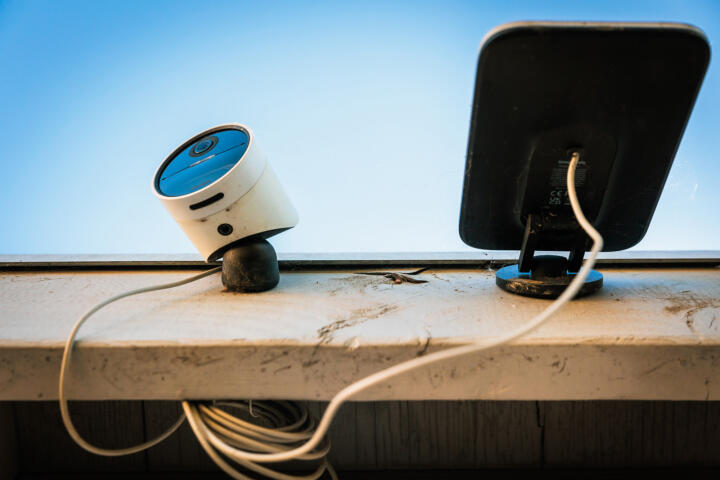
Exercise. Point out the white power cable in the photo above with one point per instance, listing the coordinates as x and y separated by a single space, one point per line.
249 444
65 367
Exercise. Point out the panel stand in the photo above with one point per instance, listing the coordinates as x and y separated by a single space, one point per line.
546 276
250 266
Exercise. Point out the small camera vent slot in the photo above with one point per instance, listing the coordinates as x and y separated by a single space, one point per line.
207 201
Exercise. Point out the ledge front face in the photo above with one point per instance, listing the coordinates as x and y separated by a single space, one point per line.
649 334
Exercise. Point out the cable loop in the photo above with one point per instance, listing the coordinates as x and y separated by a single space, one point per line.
293 434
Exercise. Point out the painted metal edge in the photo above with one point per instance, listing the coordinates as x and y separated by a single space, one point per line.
345 259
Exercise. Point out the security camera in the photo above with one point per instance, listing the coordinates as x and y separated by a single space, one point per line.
220 188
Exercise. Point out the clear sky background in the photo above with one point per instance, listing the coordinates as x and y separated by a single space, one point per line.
362 107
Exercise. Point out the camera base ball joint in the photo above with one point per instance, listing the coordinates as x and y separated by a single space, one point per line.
250 265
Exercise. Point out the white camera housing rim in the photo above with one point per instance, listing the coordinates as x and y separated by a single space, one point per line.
248 197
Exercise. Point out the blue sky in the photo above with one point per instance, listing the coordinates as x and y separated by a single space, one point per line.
362 108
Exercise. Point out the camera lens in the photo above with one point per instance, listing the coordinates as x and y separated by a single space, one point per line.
203 146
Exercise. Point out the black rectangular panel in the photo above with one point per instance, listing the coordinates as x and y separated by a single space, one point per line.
620 93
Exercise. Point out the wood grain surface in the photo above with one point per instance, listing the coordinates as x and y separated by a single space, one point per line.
649 334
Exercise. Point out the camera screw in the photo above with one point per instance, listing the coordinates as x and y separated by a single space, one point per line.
225 229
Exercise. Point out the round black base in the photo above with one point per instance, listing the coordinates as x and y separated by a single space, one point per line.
250 266
511 280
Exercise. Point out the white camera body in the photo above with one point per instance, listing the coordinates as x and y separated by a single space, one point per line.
218 199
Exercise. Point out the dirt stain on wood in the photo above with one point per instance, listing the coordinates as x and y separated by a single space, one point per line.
355 317
397 278
691 304
350 283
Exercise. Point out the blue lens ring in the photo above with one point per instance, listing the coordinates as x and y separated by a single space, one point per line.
185 172
203 146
